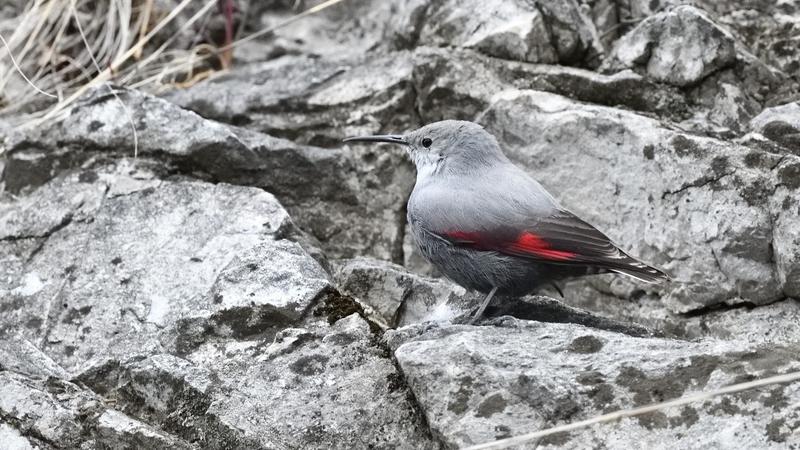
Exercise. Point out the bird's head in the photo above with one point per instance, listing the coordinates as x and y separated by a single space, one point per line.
446 147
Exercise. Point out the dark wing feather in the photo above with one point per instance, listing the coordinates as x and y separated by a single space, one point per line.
561 238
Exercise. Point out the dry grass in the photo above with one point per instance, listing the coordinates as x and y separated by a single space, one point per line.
62 47
58 49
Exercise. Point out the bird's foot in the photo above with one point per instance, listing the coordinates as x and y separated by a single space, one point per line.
466 318
474 319
503 322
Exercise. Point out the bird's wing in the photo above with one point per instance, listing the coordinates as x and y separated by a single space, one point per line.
506 211
559 238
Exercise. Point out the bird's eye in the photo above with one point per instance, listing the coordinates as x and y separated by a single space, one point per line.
427 142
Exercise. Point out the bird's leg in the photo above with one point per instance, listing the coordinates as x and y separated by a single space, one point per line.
558 289
483 306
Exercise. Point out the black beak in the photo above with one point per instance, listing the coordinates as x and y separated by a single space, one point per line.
390 138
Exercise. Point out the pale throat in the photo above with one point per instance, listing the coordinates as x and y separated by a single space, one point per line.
427 165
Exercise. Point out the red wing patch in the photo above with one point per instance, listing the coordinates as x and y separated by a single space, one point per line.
526 244
530 243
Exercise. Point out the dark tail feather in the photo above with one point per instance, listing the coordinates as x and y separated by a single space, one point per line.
639 270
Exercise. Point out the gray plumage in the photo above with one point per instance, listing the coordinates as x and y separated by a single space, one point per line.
489 226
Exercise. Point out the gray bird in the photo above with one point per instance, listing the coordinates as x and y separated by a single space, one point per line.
488 226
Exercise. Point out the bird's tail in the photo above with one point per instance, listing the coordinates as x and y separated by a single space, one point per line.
639 270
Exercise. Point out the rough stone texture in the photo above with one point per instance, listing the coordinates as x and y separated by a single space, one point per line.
679 47
50 411
780 124
769 30
109 274
308 100
119 431
397 297
169 301
55 413
13 439
24 357
363 190
347 28
298 390
462 83
496 382
728 195
546 31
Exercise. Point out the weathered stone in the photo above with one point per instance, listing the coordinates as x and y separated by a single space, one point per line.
398 297
23 357
203 328
115 430
347 28
355 204
308 100
478 384
780 124
545 32
298 390
147 264
54 411
459 84
680 46
768 30
725 102
13 440
546 309
699 207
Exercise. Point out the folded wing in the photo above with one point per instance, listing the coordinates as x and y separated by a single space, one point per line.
561 238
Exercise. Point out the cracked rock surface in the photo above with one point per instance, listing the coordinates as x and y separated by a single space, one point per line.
247 281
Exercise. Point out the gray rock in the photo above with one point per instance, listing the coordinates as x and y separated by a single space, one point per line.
355 205
53 411
786 240
775 324
549 31
780 124
396 297
13 440
148 264
726 100
348 28
461 83
168 301
478 384
115 430
23 357
308 100
703 209
298 390
767 31
680 46
544 32
546 309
